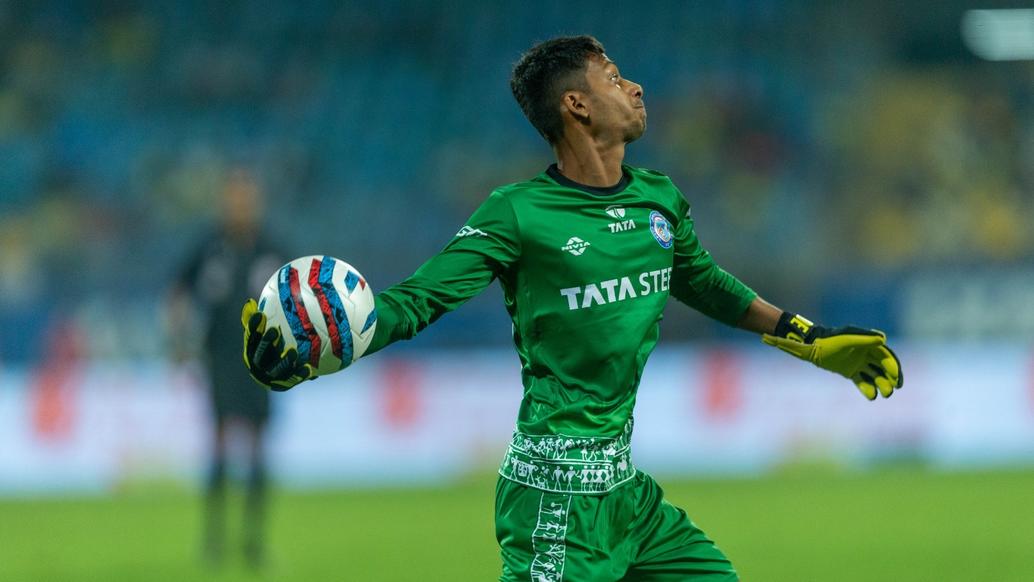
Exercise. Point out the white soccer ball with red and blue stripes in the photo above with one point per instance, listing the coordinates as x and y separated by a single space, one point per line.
324 308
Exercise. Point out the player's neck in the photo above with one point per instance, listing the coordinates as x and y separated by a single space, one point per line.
590 163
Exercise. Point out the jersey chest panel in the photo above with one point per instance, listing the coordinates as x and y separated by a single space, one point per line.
595 256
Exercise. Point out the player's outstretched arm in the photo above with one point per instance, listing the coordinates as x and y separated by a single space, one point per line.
859 354
484 248
264 354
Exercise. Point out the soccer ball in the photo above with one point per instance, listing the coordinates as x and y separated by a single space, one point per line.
324 308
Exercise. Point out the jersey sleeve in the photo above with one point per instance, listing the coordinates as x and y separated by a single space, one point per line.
483 249
700 283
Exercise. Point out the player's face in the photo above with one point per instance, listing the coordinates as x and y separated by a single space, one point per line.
242 202
617 103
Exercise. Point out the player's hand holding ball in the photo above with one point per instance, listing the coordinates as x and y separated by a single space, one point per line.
860 355
268 362
315 316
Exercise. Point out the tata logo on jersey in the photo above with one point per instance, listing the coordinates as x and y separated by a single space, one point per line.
619 213
614 290
575 246
621 226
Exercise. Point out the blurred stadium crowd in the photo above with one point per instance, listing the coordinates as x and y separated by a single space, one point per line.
818 143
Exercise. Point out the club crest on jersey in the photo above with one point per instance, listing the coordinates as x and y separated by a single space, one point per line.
661 230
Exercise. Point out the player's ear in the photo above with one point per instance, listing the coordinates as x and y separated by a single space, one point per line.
576 104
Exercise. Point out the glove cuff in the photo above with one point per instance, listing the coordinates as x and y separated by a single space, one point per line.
795 327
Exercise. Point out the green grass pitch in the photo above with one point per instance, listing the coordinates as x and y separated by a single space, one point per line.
809 524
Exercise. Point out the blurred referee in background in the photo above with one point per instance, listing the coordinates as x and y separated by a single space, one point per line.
231 263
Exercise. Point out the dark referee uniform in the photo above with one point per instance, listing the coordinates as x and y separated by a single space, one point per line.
220 276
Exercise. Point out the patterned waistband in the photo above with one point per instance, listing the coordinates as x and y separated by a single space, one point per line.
569 464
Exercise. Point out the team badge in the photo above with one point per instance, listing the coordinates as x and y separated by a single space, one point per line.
660 229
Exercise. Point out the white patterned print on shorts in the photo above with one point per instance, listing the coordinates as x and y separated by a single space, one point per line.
548 539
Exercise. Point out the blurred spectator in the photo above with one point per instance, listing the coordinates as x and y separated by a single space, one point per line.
895 153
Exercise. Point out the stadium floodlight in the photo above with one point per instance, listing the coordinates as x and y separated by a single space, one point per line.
999 35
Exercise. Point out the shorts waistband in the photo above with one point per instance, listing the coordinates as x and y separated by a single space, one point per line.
569 464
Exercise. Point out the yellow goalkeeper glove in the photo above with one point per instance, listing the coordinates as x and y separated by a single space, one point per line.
264 354
859 354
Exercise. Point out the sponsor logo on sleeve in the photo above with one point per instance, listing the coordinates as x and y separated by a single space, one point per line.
468 231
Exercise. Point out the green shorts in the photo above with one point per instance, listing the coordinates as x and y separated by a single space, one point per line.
630 533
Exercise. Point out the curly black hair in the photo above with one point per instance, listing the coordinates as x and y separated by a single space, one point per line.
542 75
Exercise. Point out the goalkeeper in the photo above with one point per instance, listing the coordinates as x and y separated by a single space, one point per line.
587 253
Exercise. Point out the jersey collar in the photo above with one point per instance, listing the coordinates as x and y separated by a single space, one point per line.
553 172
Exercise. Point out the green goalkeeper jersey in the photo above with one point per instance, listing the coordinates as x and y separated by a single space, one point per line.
585 273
